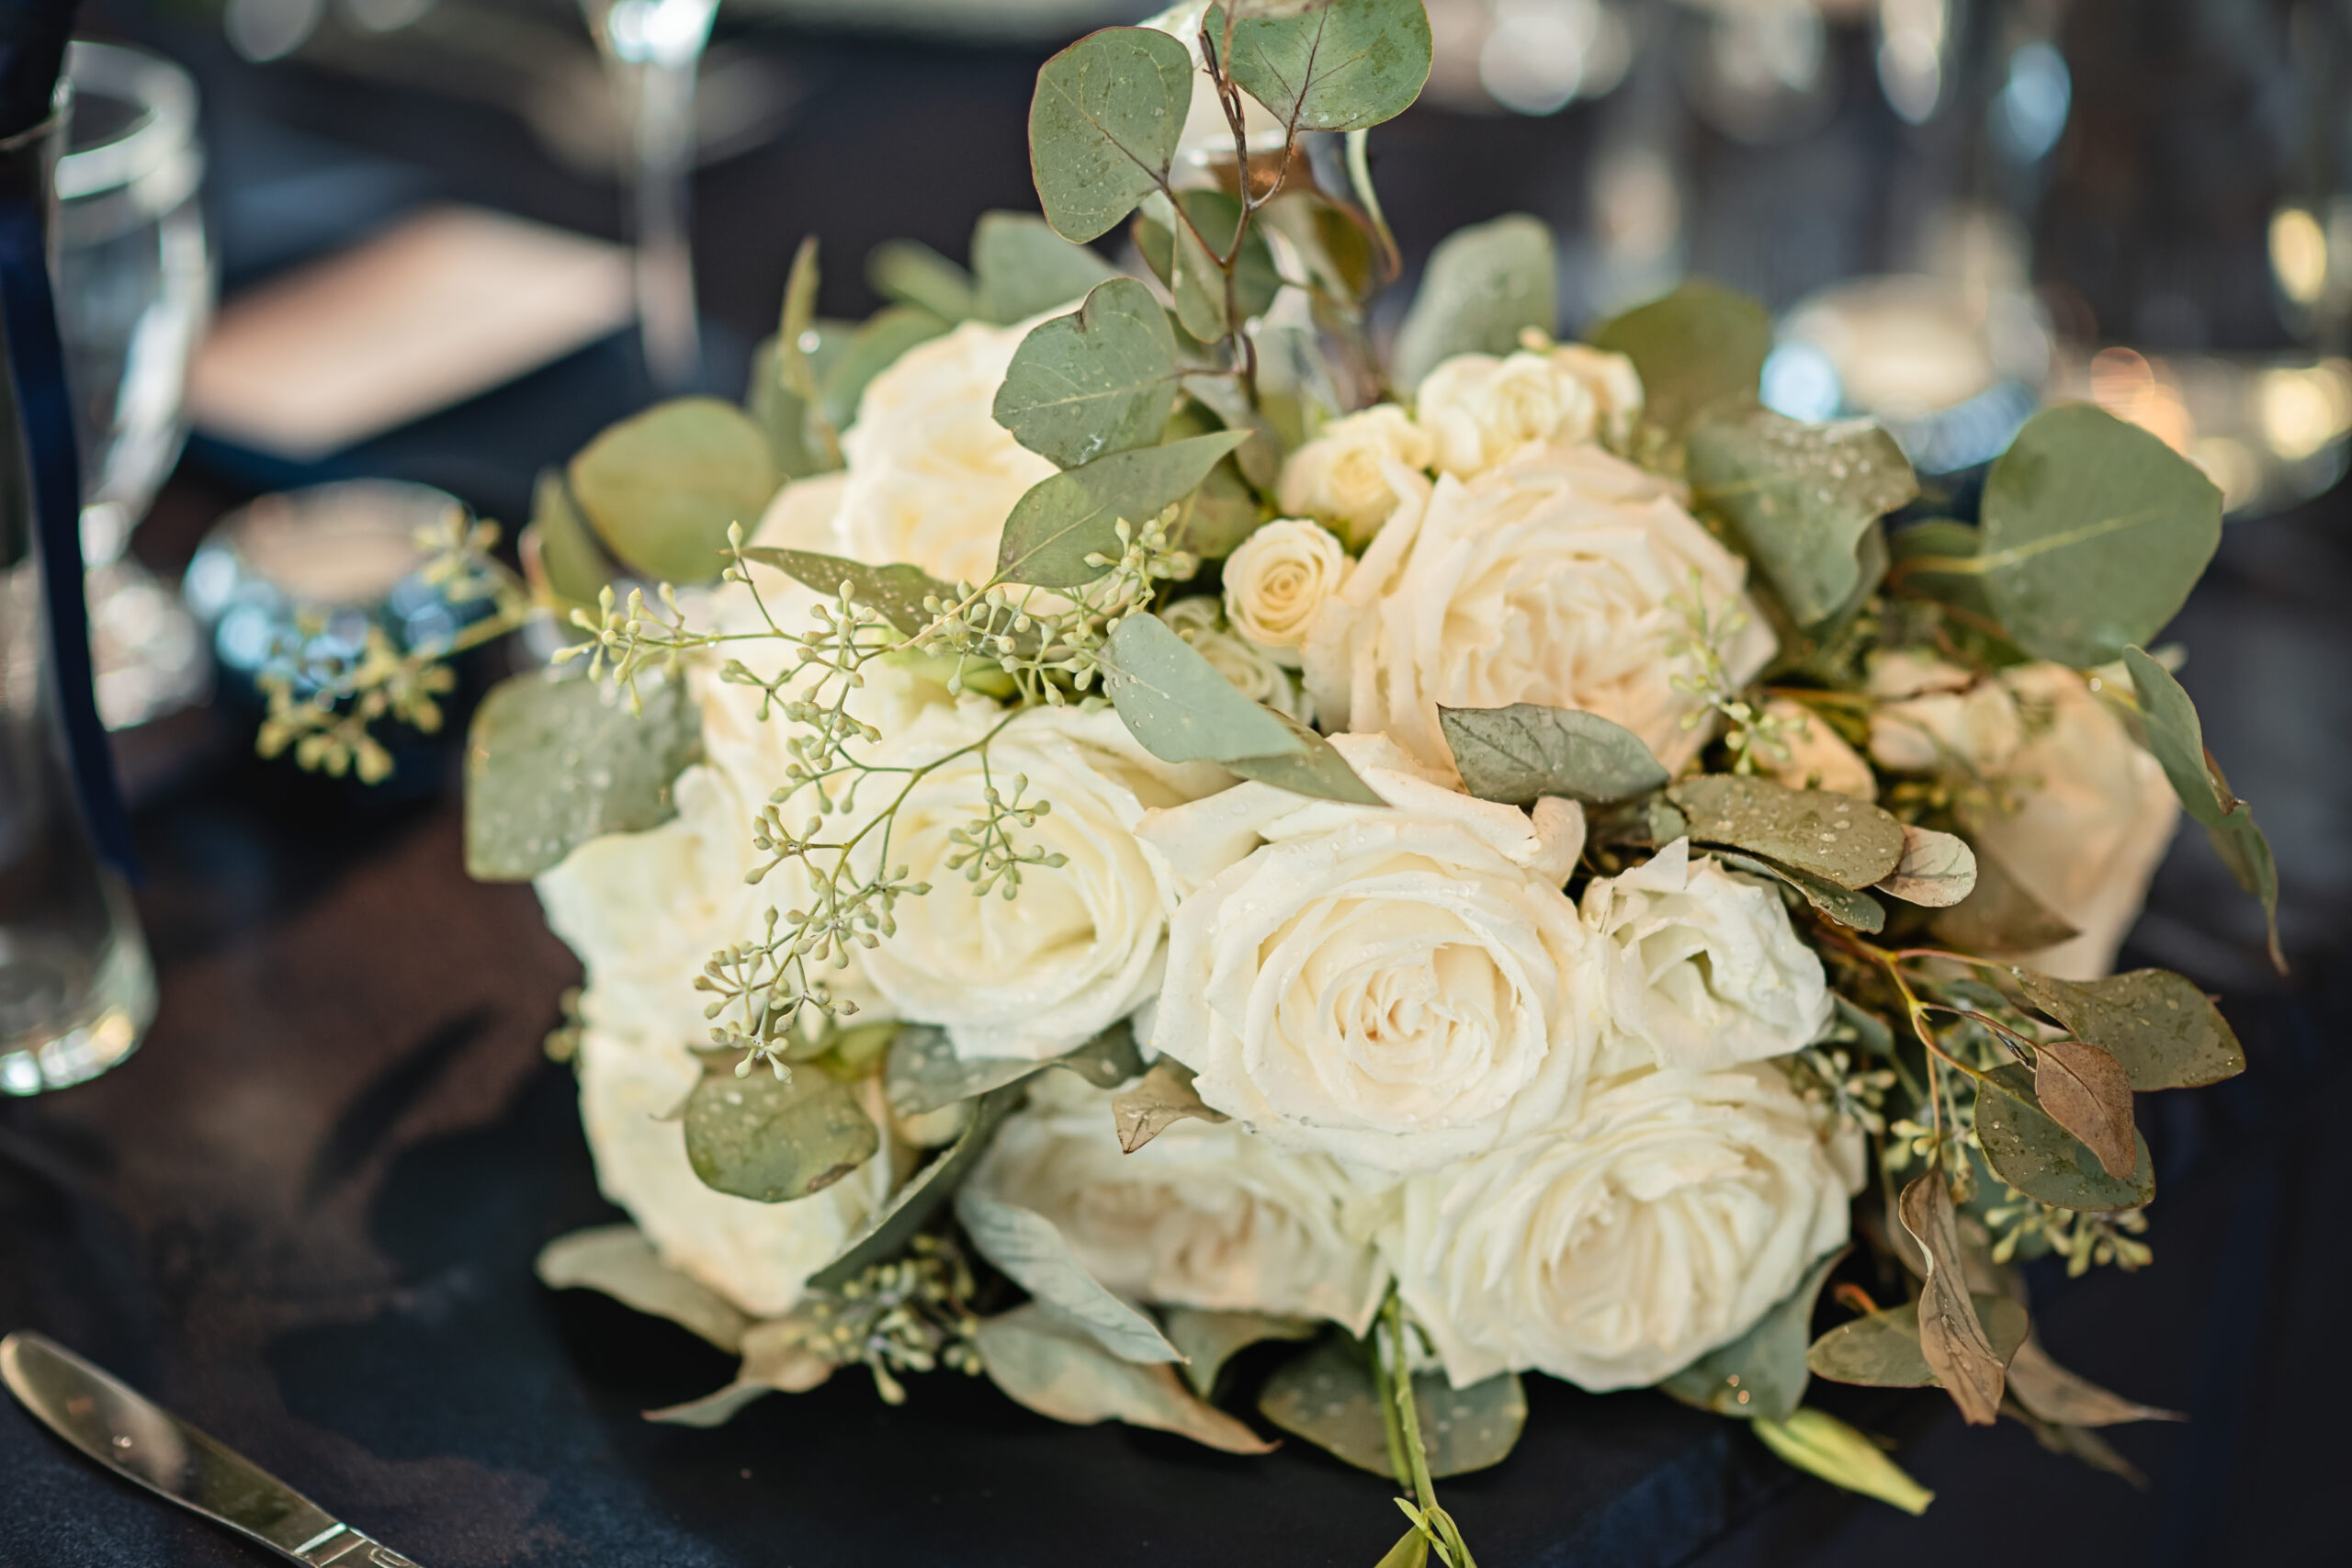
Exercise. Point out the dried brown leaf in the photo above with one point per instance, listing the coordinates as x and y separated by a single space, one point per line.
1952 1338
2061 1397
2088 1092
1163 1098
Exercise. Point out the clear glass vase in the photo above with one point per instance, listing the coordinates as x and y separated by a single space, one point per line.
77 988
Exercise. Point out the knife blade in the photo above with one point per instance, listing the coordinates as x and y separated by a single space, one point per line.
139 1439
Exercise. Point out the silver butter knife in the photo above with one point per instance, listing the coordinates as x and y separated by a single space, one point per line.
135 1438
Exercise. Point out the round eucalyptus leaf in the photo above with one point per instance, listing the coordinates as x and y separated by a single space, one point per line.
2028 1149
661 488
772 1139
1345 66
1107 116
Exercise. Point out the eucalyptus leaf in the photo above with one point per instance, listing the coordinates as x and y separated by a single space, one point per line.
1042 1361
1999 916
2086 1092
1260 459
1800 498
2055 1394
2033 1154
1180 706
777 1359
619 1261
1034 1255
2164 1032
1518 753
914 274
1484 286
921 1197
1834 837
799 443
1163 1098
1316 769
1938 558
1818 1443
1021 268
551 763
1342 66
798 319
661 488
772 1139
1858 911
2177 738
895 592
1412 1550
872 349
1937 870
1209 1339
923 1071
1953 1340
1697 348
1762 1373
1069 517
2092 532
1881 1350
575 565
1097 380
1326 1395
1108 113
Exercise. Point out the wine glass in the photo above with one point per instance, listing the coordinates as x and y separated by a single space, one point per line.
135 287
652 51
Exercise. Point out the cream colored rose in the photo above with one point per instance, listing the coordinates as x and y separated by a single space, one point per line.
1279 578
1202 1215
1480 410
1614 1248
932 474
758 1256
1081 945
1395 985
1252 669
2059 794
1815 756
1356 470
1709 973
1564 577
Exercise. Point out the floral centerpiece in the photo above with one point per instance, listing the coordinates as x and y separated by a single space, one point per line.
1110 817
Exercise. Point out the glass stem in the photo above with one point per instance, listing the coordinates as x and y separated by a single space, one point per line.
659 95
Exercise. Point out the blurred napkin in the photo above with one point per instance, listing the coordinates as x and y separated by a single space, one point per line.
438 307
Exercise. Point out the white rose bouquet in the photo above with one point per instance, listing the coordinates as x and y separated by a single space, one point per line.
1149 823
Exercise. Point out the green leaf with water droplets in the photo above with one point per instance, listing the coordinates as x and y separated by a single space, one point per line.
1484 286
1180 706
1069 521
2028 1149
1108 113
1100 380
1326 1395
2092 532
1518 753
2165 1031
1342 66
1881 1350
1800 498
551 763
1761 1374
1835 836
772 1139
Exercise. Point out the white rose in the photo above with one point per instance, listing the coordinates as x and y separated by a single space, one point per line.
1251 668
1816 757
1562 578
1081 945
1397 986
1710 973
2077 814
1479 410
759 1256
1202 1215
1279 578
1614 1249
932 474
1355 470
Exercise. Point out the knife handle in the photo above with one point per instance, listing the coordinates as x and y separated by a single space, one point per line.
344 1547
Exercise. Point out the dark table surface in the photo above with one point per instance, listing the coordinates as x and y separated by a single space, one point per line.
304 1215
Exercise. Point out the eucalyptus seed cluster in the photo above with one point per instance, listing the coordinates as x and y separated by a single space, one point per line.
909 1315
